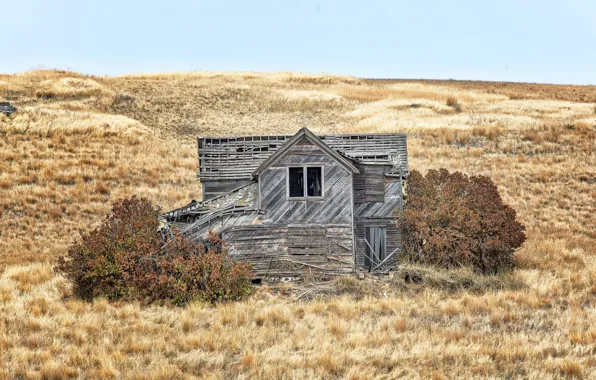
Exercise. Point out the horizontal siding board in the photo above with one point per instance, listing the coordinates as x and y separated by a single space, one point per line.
269 250
369 184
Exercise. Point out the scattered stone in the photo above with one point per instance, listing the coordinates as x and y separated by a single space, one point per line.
6 108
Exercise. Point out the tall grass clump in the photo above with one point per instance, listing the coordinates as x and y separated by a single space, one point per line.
124 259
454 103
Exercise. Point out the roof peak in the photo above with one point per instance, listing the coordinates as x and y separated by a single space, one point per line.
305 133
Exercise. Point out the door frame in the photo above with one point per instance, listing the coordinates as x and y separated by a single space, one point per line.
372 258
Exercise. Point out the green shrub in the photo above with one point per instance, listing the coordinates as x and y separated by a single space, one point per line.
124 258
452 220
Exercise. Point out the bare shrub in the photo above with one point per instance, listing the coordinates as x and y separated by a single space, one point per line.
124 259
452 220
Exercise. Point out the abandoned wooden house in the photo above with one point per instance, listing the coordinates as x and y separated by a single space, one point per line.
301 204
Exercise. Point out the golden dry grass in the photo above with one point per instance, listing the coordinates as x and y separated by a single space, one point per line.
563 92
78 143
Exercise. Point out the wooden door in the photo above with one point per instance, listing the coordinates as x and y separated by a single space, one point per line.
376 247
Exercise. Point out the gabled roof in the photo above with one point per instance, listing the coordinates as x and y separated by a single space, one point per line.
236 157
305 133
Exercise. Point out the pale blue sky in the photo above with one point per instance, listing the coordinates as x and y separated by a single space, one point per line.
531 41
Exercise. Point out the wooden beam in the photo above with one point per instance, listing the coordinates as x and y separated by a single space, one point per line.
385 259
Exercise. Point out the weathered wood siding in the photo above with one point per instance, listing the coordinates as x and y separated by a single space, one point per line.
219 223
288 251
369 184
222 158
297 237
334 208
233 158
389 148
380 214
283 237
393 239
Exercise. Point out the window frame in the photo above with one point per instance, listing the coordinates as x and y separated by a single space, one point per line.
306 197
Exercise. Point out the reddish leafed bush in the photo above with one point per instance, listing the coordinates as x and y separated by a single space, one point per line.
124 258
453 220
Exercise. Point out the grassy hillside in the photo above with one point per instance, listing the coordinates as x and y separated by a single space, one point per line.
79 142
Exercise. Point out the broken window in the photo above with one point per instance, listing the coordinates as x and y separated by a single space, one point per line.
296 179
313 182
305 181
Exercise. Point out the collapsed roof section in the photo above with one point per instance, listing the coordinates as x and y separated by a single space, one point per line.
224 158
235 207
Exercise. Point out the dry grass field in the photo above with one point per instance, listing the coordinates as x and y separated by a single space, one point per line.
78 143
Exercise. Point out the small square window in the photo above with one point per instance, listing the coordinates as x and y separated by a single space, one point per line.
305 181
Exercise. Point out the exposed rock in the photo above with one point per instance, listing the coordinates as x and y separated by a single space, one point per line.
6 108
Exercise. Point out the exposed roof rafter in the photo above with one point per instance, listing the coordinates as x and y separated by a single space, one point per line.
237 157
305 133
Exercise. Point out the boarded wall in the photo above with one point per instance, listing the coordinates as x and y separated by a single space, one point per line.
393 240
369 184
317 234
288 251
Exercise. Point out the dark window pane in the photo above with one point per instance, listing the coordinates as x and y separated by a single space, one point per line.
296 182
313 182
